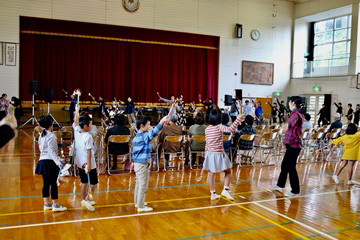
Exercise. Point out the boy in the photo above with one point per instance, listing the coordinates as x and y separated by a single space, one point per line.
142 159
85 159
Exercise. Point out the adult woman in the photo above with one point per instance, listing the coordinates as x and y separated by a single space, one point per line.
4 104
292 142
198 129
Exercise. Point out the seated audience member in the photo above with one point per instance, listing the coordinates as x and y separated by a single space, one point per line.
306 124
198 129
171 130
118 129
225 120
246 130
337 123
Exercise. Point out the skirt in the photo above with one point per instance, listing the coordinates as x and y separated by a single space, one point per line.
47 167
216 162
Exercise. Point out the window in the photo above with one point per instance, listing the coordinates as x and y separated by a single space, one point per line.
332 42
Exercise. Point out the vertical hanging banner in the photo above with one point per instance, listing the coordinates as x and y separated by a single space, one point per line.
10 54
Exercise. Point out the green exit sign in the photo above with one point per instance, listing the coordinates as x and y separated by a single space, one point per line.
278 94
316 89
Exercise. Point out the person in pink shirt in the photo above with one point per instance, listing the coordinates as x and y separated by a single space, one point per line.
216 160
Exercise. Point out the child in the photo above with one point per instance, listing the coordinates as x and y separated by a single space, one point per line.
48 165
351 151
142 159
215 158
85 159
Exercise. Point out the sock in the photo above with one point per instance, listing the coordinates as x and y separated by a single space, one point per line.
212 191
226 188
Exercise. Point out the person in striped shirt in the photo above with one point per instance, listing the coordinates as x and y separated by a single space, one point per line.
293 145
216 160
142 159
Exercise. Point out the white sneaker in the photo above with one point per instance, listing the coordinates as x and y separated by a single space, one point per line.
335 178
145 209
351 182
91 202
277 188
290 194
214 196
226 194
47 207
58 208
86 204
145 204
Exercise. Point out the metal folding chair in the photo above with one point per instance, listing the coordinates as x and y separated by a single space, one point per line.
198 139
36 134
174 155
245 152
117 139
227 139
266 143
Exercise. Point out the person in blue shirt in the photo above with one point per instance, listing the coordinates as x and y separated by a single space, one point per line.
142 159
72 105
337 122
258 113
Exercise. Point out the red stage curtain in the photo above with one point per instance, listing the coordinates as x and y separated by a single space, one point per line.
116 68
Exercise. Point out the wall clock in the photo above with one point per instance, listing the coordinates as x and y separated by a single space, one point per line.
255 34
131 5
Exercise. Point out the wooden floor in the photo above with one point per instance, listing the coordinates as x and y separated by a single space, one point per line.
182 207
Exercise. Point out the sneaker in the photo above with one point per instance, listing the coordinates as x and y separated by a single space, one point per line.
90 197
214 196
335 178
226 194
277 188
48 207
91 202
58 208
145 209
145 204
350 182
86 204
290 194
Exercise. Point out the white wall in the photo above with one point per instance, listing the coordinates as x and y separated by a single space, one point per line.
213 17
344 87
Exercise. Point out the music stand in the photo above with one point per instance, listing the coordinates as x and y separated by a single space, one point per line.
33 118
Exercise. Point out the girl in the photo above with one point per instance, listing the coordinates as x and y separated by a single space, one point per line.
292 142
48 165
215 158
180 109
352 143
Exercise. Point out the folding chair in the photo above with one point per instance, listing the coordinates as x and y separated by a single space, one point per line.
337 149
117 139
173 155
247 150
154 152
198 139
304 149
316 143
266 143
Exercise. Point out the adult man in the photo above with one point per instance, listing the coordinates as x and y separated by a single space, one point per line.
337 123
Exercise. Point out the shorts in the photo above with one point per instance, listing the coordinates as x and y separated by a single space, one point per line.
93 176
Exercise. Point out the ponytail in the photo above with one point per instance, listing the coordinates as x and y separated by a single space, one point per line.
299 104
43 134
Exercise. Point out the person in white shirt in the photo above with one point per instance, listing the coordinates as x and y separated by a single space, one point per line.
85 156
49 163
306 123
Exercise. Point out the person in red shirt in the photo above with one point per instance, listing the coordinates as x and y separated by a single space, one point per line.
293 145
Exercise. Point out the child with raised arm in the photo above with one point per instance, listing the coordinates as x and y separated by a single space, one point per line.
215 158
351 140
85 159
142 159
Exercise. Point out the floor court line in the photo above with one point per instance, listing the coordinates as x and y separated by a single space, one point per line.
159 213
273 222
295 221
